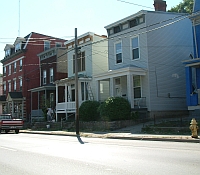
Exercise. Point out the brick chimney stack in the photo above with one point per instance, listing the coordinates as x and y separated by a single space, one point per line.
160 5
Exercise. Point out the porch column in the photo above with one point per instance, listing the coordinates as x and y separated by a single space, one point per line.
188 71
112 87
38 102
97 90
70 93
130 90
56 101
66 100
12 108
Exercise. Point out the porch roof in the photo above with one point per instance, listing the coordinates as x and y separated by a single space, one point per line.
43 88
192 62
130 70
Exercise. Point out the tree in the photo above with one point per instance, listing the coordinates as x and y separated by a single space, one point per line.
184 7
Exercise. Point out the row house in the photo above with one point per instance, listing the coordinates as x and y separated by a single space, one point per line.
92 59
145 54
53 67
192 65
21 71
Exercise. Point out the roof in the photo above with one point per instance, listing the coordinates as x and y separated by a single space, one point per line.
15 94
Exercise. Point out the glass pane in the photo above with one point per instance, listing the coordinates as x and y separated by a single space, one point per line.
119 58
137 92
135 53
118 48
135 42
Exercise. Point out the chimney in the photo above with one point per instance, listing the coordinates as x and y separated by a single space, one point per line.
160 5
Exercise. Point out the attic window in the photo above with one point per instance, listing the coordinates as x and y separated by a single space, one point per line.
7 52
133 23
46 45
116 29
17 47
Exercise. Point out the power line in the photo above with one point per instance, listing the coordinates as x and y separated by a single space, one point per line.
135 4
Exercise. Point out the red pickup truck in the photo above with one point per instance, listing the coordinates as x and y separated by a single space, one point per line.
7 123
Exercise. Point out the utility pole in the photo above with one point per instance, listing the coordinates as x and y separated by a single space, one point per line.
76 83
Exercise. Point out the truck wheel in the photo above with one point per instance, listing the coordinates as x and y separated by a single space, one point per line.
17 131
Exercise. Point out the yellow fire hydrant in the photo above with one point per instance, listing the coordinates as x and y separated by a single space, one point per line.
194 128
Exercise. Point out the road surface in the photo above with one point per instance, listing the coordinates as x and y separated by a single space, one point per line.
32 154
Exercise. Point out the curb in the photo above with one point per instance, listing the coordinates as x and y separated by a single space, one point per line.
118 136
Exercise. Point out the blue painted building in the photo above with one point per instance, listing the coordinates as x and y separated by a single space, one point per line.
192 66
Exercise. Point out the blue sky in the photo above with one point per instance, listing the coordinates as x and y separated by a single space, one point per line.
59 18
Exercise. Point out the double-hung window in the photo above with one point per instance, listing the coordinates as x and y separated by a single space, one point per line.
135 48
20 64
51 75
137 86
80 62
4 87
9 69
15 66
20 84
17 47
118 52
7 52
4 71
14 84
46 45
44 76
9 86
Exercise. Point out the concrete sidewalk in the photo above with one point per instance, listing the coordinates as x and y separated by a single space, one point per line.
116 135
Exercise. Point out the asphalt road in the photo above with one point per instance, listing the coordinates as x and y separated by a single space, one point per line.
32 154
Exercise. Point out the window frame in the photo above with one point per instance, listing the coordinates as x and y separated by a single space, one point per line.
14 67
18 46
4 71
44 78
47 45
9 69
115 51
51 75
14 84
138 86
81 61
137 47
20 64
20 84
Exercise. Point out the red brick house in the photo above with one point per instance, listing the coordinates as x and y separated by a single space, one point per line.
21 71
53 67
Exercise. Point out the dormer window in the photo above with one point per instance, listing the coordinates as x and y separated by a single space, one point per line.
17 47
117 29
46 45
7 52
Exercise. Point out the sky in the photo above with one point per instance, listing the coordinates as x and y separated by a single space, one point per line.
59 18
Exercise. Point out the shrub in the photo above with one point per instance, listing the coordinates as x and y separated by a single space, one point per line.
88 111
115 108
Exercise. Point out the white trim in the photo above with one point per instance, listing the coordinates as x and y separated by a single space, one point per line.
131 48
115 43
14 61
27 41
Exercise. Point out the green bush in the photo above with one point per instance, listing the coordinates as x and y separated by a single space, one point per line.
88 111
115 108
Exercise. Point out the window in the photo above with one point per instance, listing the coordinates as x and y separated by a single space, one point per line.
137 86
80 62
4 87
20 64
9 86
15 66
14 84
17 47
135 48
118 52
117 29
133 23
46 45
20 84
7 52
4 71
51 75
44 76
9 70
58 44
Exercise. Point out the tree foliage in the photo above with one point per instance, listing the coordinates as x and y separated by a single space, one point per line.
88 111
115 108
186 6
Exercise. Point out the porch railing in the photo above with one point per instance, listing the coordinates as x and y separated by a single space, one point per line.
65 106
140 102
